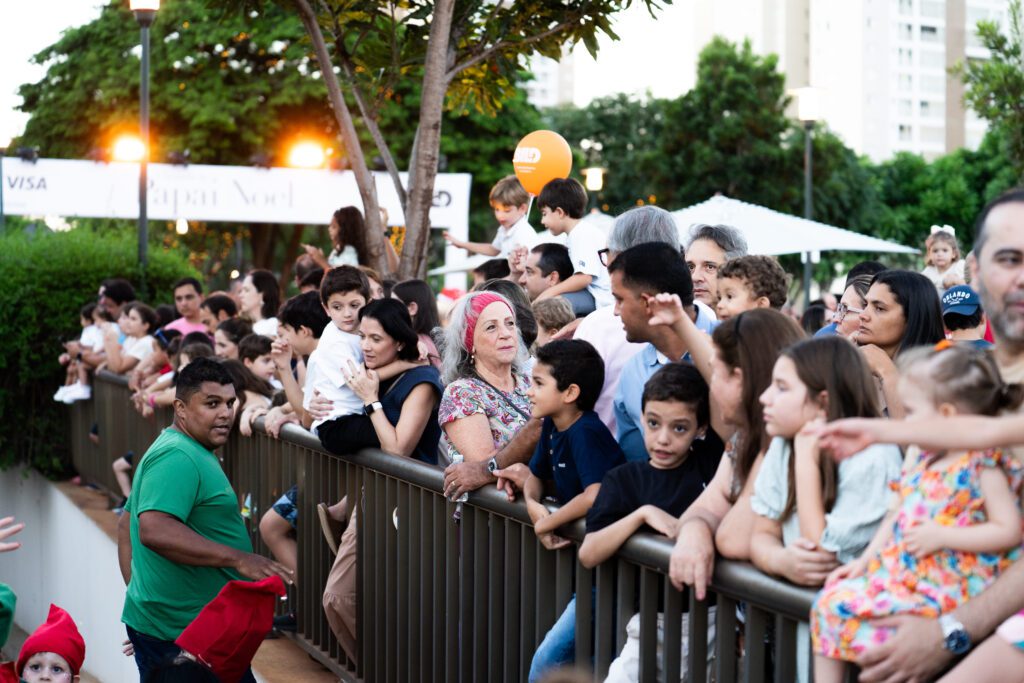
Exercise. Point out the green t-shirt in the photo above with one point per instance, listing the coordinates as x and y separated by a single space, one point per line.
179 477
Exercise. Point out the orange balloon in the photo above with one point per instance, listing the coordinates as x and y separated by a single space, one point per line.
540 157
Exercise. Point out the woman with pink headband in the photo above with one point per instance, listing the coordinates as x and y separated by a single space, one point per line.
484 403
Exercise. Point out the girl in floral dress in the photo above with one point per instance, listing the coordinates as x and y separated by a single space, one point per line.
957 525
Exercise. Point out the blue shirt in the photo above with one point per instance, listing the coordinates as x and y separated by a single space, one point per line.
576 458
828 330
629 396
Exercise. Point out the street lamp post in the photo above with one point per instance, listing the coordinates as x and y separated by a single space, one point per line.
809 112
145 13
593 180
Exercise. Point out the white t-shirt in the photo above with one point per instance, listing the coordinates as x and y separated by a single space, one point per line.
323 373
546 236
138 347
92 338
346 257
521 234
267 327
584 241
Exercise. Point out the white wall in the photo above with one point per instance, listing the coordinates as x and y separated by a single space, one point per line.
68 560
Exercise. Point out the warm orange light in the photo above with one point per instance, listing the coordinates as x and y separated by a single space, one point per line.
128 148
307 154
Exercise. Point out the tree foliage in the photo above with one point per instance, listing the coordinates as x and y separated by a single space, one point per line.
223 87
995 86
50 276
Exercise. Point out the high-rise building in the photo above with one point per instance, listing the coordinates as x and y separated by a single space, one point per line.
552 83
885 66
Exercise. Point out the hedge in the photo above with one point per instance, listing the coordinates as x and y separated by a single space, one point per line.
44 280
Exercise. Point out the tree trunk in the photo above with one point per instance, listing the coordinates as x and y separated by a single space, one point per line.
426 151
289 255
349 138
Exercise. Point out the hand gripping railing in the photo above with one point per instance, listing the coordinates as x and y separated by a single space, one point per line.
469 601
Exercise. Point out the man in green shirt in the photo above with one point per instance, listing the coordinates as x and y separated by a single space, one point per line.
182 538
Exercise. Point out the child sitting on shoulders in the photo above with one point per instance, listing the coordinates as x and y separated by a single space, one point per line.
957 526
510 203
750 282
575 452
552 315
652 495
54 652
943 264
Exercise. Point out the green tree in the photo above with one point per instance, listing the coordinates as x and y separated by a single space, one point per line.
619 133
724 135
224 88
995 86
465 55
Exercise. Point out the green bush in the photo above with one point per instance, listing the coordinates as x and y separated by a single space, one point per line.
45 279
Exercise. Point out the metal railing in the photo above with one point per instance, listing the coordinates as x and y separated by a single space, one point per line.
469 601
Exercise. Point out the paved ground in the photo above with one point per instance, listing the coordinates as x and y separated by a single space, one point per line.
278 660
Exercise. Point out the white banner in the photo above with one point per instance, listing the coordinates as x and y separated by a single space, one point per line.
235 194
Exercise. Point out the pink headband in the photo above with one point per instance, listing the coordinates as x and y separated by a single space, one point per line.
476 306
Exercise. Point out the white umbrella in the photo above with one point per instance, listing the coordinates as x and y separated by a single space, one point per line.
772 232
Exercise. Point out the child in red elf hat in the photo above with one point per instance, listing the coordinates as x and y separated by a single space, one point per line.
54 652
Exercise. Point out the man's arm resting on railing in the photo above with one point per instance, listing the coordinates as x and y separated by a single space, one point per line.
469 476
167 536
124 545
915 650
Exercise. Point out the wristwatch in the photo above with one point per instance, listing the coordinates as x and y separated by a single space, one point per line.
955 637
371 408
492 465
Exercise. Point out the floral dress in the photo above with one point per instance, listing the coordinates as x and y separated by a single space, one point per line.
506 413
896 582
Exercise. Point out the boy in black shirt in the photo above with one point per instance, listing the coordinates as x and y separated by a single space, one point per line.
575 452
654 493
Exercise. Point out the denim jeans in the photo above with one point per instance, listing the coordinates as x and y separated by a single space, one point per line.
151 652
559 645
582 302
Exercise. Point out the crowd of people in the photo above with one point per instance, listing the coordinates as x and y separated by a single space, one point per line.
865 448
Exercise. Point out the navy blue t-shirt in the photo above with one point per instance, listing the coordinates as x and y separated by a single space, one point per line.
576 458
636 484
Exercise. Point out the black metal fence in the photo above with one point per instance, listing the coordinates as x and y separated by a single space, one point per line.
441 600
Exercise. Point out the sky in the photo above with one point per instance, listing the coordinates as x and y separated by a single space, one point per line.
635 64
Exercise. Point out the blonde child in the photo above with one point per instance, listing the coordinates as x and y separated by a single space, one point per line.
957 525
552 315
510 203
54 652
943 264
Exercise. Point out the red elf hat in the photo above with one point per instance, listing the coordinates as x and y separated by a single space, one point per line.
229 630
59 635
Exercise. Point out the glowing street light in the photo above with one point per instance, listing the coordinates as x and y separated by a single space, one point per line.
307 154
181 226
145 13
593 178
129 148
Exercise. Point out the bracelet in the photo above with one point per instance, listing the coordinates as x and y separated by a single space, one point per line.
152 400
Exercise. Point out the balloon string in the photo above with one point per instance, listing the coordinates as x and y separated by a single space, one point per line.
529 207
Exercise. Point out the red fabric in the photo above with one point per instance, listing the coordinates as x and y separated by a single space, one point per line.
7 673
988 331
59 635
229 630
476 306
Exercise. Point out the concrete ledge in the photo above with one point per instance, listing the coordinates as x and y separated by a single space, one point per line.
67 559
68 556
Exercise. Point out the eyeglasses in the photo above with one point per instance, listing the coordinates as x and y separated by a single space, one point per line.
602 255
843 309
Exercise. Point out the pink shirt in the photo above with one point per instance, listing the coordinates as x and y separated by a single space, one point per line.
603 329
185 327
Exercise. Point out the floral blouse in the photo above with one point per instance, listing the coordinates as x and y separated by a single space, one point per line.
506 413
